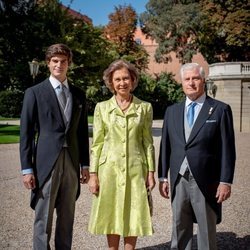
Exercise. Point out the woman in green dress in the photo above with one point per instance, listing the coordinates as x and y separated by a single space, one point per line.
122 160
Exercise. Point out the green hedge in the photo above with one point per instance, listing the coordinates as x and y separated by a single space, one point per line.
10 103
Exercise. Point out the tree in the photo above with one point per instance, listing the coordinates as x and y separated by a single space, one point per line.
16 6
161 91
120 31
174 25
218 29
40 26
225 30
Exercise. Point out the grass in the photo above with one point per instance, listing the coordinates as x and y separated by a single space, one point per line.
7 119
90 119
10 133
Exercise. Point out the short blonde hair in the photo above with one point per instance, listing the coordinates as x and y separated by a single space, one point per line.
116 65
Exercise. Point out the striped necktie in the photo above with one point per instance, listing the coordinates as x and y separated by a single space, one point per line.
62 96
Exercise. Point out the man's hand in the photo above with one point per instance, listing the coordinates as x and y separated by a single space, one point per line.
29 181
223 192
164 189
84 176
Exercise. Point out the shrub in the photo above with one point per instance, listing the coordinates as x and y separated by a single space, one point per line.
10 103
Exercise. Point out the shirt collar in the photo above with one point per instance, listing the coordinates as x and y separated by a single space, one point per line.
55 83
199 100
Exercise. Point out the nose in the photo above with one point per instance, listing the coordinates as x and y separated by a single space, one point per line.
123 82
59 64
191 81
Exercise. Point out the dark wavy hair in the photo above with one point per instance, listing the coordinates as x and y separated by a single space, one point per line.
58 49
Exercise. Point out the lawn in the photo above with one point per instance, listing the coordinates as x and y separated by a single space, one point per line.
9 133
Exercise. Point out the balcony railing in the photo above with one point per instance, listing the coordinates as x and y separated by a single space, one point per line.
229 70
245 68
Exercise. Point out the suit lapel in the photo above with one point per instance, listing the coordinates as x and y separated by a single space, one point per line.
206 111
75 106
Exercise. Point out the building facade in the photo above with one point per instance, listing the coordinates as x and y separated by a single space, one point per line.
171 67
231 84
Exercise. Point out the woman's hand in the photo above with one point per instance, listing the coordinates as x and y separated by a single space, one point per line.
93 183
150 182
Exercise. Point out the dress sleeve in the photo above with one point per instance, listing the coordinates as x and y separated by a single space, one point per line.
98 139
148 143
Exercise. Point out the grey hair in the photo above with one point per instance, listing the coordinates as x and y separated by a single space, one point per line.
116 65
191 66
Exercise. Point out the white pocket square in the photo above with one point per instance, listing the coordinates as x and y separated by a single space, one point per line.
210 121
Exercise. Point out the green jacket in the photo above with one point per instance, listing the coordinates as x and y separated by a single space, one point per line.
123 138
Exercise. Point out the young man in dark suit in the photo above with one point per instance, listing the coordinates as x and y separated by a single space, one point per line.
198 148
54 149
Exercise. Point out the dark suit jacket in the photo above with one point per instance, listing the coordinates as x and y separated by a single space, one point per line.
210 149
43 131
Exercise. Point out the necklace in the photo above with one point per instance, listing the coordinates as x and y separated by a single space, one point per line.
124 105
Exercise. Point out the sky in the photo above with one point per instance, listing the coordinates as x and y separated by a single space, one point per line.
99 10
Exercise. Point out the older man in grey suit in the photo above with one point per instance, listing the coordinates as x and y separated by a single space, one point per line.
198 148
54 149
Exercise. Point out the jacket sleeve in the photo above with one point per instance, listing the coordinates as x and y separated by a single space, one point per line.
83 136
28 125
228 155
164 155
148 138
98 139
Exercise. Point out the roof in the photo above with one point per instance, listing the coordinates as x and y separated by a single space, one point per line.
77 15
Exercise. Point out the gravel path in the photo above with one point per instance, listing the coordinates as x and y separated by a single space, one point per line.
16 218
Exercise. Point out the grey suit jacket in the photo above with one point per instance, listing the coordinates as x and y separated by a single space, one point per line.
43 132
210 149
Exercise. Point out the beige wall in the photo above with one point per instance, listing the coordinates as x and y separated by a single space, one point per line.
233 87
173 66
245 122
229 91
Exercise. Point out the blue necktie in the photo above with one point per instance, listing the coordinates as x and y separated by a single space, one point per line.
190 114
